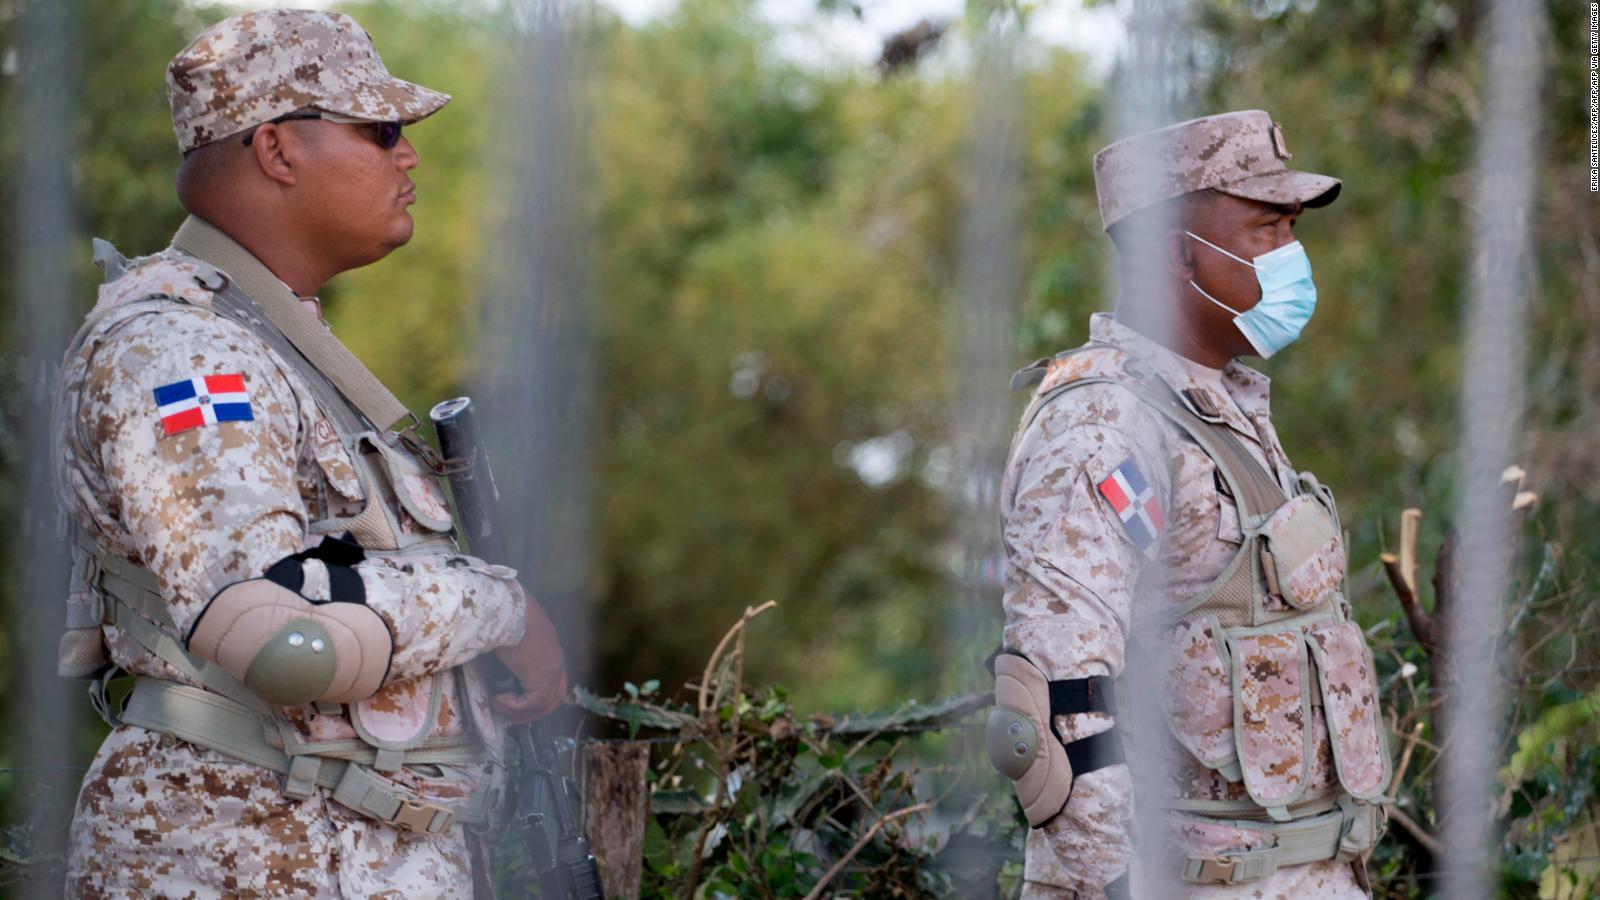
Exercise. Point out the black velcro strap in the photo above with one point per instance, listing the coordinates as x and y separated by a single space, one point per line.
288 572
1094 752
339 554
1081 695
1118 890
345 585
336 551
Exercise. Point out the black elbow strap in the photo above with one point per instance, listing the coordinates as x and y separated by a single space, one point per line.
1082 695
1071 696
1095 752
1085 695
339 555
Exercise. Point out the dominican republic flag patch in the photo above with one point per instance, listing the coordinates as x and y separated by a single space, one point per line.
204 400
1135 503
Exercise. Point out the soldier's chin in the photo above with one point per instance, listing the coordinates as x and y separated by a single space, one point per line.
400 234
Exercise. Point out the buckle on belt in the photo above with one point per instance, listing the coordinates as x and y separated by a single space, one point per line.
1216 870
422 816
1251 865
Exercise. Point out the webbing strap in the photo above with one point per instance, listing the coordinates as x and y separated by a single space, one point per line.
1082 695
1342 834
131 584
156 639
1245 808
353 379
203 719
1254 488
1096 751
213 722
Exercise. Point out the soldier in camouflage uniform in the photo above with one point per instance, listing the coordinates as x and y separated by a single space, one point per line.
256 541
1149 455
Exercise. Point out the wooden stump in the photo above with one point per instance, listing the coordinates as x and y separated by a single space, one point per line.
616 803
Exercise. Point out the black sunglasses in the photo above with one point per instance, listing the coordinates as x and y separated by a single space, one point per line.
388 132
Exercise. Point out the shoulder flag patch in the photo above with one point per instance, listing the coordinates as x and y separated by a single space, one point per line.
1135 503
203 400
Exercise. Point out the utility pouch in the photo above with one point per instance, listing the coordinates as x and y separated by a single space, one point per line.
398 717
1199 699
1350 703
1302 557
1272 716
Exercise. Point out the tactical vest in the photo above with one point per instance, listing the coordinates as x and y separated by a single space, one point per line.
225 715
1264 649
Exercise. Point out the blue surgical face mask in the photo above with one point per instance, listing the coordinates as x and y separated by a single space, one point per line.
1288 297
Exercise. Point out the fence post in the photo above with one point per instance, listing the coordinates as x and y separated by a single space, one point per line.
616 802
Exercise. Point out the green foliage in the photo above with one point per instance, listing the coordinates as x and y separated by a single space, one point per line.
750 799
775 249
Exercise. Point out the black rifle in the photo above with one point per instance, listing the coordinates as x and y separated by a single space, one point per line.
566 869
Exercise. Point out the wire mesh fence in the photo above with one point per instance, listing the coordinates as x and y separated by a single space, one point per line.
1002 250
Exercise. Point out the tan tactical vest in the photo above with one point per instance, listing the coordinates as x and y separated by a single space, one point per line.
1261 653
225 716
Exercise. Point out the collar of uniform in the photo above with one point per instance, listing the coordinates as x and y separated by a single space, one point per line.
1248 388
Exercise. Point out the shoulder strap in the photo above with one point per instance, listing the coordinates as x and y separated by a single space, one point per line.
315 342
1254 488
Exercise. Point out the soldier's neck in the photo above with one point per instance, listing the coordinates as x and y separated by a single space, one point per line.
302 268
1170 330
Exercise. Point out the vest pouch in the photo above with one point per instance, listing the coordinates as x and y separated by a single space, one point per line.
338 469
415 488
1199 699
1350 705
400 715
1272 716
1303 560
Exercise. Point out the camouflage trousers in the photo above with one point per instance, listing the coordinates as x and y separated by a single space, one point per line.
158 817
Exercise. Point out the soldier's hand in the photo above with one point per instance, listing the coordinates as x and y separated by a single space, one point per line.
540 668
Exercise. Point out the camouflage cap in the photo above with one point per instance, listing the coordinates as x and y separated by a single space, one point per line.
1237 153
255 67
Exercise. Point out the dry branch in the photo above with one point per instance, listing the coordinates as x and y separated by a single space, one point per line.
865 839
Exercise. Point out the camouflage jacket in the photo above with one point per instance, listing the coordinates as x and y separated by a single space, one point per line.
216 504
1073 572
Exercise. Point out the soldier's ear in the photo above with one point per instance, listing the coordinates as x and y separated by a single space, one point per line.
1180 254
272 148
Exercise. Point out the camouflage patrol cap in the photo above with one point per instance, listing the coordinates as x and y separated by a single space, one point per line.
255 67
1236 153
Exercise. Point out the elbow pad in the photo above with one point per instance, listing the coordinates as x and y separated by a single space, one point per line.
1022 740
289 649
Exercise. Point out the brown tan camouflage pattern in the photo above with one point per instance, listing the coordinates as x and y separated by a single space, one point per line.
1270 715
1309 580
1240 153
1202 718
1072 573
254 67
1344 665
161 818
218 504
